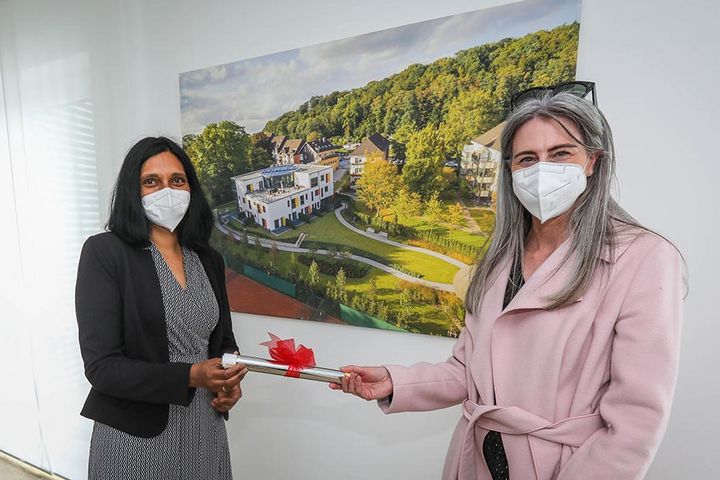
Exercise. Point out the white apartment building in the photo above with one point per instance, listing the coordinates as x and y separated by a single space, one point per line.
281 193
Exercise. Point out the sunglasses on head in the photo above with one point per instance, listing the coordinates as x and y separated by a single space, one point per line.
577 88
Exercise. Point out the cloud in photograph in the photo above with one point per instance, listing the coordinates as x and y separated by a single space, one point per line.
251 92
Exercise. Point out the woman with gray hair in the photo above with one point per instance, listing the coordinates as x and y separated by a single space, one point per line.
567 363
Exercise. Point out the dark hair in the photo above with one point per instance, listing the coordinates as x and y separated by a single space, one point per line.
127 216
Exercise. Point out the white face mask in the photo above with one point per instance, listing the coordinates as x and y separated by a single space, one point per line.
166 207
549 189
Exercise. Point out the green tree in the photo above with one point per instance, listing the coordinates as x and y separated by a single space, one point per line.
425 154
340 287
455 214
219 153
187 139
433 211
400 138
465 94
313 275
351 118
383 311
453 310
337 290
404 313
379 183
372 289
407 206
331 290
470 114
260 153
358 301
406 299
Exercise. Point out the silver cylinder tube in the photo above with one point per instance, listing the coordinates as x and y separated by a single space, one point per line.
262 365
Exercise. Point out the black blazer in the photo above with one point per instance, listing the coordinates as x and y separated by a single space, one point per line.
123 341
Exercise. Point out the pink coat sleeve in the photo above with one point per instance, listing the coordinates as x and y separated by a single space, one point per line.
425 386
643 371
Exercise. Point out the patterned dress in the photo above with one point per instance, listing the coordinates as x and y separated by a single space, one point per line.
194 445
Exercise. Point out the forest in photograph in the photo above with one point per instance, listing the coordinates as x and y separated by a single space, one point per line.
369 205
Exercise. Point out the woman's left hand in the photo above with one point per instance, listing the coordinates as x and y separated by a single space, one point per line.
224 401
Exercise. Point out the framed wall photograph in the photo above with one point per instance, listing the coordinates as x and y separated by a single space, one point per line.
354 181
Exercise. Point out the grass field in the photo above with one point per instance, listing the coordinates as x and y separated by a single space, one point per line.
426 317
483 216
328 229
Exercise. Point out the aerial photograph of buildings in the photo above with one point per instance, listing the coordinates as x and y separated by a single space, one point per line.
354 181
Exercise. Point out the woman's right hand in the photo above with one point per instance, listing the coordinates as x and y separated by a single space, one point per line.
370 383
211 375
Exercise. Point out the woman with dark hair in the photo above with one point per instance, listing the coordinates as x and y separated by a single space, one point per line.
153 318
567 363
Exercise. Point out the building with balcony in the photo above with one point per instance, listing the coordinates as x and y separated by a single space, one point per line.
281 194
480 163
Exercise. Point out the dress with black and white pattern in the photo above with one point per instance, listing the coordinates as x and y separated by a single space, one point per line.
194 445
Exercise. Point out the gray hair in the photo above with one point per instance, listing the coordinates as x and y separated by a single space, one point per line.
595 220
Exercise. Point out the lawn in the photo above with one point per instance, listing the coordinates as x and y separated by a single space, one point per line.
483 217
425 316
328 229
227 207
428 319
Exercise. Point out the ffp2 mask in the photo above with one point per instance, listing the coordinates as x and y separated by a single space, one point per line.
549 189
166 207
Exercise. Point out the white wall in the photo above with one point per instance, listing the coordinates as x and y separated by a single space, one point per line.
656 67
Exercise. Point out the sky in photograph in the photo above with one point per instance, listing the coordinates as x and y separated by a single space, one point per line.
251 92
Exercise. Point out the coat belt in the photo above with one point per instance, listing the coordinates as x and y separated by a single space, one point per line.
572 431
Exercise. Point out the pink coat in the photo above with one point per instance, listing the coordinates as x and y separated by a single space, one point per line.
582 392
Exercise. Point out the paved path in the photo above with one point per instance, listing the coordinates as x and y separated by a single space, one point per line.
377 237
472 225
290 247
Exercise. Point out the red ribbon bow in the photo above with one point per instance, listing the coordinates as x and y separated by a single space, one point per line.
283 352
